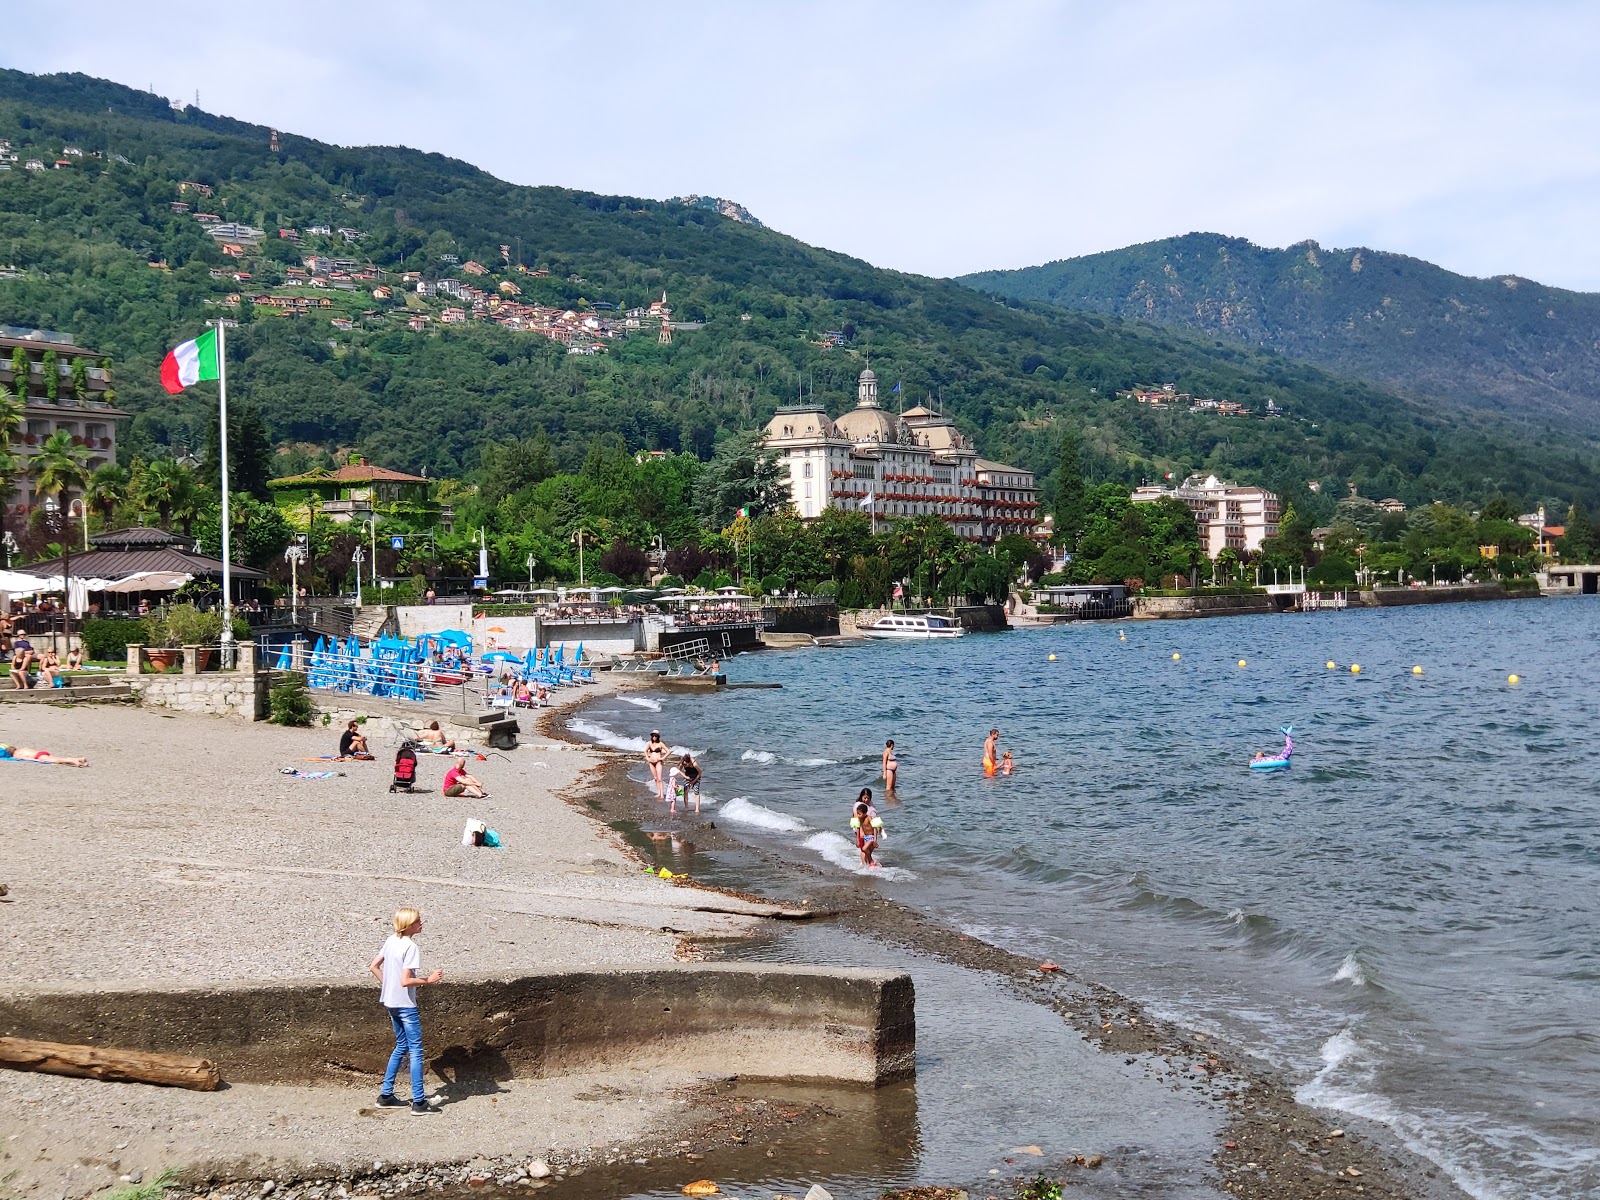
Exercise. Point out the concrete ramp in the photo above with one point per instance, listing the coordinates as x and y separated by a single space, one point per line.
752 1020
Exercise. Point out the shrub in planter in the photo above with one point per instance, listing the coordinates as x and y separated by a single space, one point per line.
183 625
106 640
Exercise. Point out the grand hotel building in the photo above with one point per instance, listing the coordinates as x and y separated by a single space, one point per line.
910 464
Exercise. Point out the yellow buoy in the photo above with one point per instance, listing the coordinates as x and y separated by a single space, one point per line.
1176 656
1513 680
1241 662
1331 664
1416 670
1355 668
1052 658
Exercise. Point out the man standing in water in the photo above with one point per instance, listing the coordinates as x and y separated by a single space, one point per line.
991 751
655 754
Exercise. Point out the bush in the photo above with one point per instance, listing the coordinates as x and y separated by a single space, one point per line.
669 581
772 585
107 640
290 702
186 625
828 587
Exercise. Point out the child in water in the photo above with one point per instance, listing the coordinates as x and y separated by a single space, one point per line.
867 826
1006 764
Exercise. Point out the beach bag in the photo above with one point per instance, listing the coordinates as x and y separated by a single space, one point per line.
472 832
491 838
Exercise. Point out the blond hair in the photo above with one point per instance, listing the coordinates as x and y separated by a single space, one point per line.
405 918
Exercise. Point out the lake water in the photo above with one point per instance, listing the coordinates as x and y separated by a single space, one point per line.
1407 922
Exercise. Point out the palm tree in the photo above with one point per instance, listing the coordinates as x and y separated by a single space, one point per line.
159 485
59 468
107 491
186 498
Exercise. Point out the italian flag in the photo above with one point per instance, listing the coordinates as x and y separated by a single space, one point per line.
190 363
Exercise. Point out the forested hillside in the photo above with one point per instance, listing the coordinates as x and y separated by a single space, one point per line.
1508 345
104 255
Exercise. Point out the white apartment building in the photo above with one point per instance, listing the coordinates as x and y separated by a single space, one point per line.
1227 515
907 465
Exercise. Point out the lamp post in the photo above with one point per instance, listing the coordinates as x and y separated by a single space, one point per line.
52 507
578 537
358 558
9 541
530 570
295 554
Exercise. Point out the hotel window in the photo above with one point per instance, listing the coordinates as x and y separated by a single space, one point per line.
806 473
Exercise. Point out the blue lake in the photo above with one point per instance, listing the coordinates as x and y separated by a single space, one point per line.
1406 922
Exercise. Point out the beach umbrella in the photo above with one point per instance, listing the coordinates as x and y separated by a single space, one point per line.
283 657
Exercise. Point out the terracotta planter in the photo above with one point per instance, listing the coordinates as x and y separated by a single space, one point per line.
161 658
203 656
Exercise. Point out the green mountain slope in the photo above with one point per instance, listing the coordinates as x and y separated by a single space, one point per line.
1014 375
1506 344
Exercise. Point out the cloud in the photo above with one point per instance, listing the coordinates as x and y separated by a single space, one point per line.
945 137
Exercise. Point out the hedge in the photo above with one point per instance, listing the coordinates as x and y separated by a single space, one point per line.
106 640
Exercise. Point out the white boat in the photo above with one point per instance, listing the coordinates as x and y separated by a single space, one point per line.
893 626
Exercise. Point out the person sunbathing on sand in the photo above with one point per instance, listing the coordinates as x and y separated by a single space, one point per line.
29 754
433 737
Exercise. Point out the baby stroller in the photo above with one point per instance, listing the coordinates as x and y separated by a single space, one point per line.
405 770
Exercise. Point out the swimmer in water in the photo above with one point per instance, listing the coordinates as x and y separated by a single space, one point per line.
990 752
891 766
1006 764
867 826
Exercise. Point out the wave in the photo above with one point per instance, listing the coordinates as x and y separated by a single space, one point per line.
604 735
766 758
841 852
742 810
1351 971
642 702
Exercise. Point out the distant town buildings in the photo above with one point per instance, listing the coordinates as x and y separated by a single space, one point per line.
898 466
1228 516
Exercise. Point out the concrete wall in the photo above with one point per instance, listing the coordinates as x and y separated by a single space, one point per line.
598 637
1393 597
432 618
1169 607
753 1020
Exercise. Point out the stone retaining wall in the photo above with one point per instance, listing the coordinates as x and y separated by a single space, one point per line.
241 692
752 1020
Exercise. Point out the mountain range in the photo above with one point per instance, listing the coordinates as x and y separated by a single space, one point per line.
111 247
1508 345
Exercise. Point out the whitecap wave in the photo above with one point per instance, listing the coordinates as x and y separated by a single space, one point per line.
642 702
767 757
604 736
1236 915
745 812
841 852
1351 971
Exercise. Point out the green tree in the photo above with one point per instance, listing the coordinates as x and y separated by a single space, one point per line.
107 491
60 468
742 474
1071 503
52 376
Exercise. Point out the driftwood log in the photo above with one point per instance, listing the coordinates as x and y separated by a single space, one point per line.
101 1062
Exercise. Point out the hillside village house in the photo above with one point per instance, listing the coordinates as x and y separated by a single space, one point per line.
89 418
910 465
358 491
1228 516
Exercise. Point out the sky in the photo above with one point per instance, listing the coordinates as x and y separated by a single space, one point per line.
936 137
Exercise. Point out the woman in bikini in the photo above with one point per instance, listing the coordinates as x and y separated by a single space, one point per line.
891 766
655 754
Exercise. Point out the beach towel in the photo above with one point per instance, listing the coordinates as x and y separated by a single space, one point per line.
292 773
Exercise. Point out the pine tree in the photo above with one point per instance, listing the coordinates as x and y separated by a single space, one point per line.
1070 504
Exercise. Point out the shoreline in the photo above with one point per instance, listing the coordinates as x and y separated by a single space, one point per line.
1271 1147
152 867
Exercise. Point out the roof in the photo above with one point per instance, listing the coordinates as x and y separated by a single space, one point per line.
120 562
141 536
988 464
349 474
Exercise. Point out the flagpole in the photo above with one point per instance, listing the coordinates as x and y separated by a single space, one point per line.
222 438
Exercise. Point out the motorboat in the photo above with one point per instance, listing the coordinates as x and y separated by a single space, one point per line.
895 626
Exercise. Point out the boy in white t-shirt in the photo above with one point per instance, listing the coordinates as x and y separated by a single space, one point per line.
396 969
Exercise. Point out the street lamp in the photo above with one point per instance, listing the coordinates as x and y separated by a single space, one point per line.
9 541
294 554
358 558
530 570
578 537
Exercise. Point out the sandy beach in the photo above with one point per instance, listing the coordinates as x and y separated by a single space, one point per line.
182 853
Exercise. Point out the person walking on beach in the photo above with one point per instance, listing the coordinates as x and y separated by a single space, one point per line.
891 766
655 754
396 968
991 756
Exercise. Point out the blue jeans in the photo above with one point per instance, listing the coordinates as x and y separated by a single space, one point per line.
407 1040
